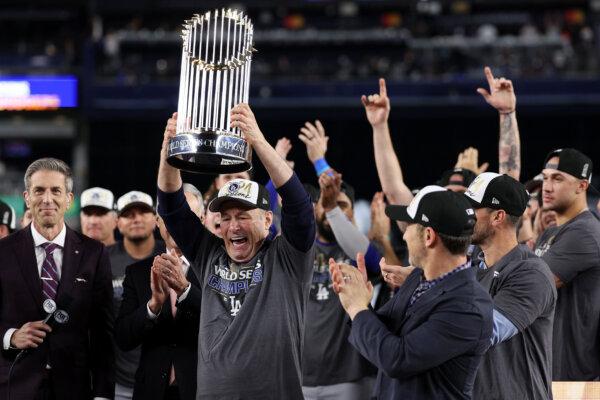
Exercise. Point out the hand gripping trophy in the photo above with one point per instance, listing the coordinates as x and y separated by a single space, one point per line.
215 76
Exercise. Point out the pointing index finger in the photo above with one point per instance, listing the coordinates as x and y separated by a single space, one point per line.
382 88
489 76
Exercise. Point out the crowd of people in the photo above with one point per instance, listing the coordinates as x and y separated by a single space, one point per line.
272 292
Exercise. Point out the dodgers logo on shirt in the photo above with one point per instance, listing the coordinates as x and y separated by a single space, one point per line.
320 288
232 285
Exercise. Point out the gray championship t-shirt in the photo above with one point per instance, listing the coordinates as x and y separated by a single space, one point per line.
572 252
522 289
126 362
328 357
251 326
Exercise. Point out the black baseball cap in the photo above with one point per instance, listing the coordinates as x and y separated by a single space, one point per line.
444 211
8 216
242 191
498 192
571 161
467 177
535 183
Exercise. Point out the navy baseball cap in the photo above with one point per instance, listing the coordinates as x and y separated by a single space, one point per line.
441 209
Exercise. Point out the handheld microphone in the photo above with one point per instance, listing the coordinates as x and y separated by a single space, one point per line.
49 307
60 316
54 317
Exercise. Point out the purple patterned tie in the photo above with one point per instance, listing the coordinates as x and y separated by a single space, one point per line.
49 273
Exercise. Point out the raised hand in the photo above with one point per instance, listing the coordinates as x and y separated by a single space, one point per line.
243 118
171 127
380 223
377 106
283 147
169 177
469 159
170 130
313 136
501 94
331 187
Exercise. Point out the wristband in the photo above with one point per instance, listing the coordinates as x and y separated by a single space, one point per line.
321 166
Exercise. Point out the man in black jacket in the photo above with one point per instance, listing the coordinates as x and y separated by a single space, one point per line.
67 358
160 312
429 339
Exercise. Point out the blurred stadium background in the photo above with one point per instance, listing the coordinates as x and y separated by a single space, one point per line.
93 82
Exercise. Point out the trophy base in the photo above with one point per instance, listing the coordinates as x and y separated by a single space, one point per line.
209 153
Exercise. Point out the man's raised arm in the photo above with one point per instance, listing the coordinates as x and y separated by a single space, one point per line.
297 215
169 177
243 118
181 222
377 108
502 97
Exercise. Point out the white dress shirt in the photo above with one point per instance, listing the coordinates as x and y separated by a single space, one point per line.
40 253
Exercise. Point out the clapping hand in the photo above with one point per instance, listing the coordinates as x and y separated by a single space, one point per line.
351 285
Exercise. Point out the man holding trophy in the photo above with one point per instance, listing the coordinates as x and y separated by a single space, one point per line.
254 290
